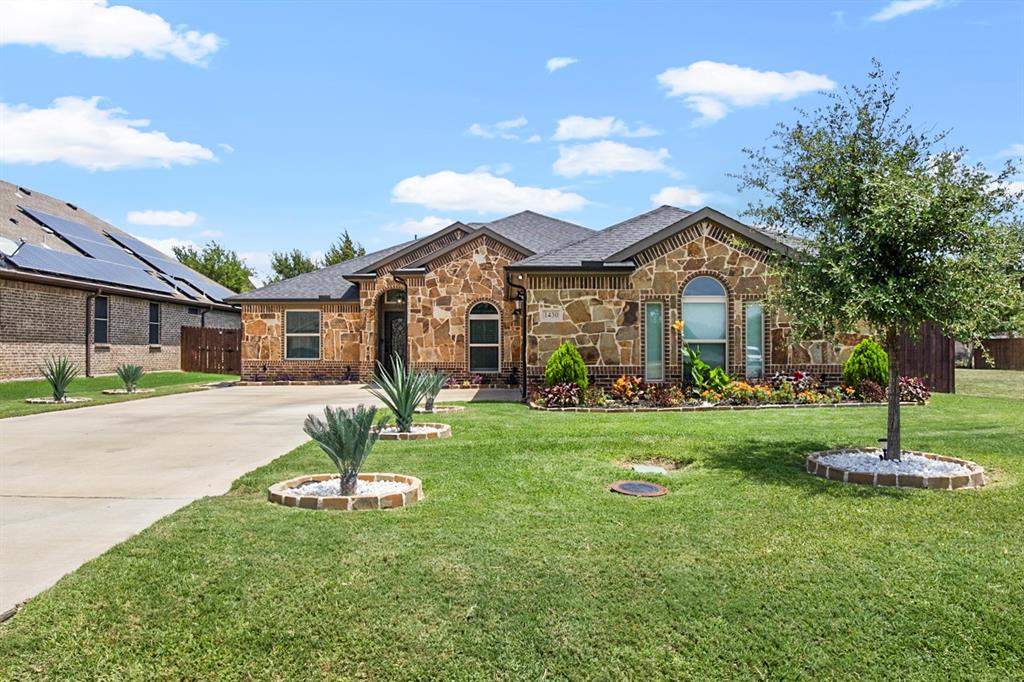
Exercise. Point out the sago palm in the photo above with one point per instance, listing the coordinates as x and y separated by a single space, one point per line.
347 436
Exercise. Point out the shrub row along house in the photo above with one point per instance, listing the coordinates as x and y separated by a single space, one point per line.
466 300
73 285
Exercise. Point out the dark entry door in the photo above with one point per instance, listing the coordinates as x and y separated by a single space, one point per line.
393 336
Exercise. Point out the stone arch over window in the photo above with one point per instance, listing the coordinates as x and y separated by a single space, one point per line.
484 338
705 314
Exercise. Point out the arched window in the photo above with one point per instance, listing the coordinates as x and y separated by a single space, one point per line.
484 338
705 306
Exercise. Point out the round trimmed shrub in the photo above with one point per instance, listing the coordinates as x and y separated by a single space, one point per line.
868 361
566 366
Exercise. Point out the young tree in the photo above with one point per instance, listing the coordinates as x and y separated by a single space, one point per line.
290 264
342 250
219 264
897 230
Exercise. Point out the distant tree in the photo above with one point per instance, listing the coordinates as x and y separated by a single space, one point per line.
290 264
219 264
342 250
897 230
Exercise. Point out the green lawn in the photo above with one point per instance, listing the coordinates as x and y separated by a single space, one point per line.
520 565
990 383
14 393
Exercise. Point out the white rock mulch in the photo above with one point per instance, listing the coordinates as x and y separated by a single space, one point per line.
332 487
51 401
867 461
121 391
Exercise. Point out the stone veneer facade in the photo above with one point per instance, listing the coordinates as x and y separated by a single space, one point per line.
601 313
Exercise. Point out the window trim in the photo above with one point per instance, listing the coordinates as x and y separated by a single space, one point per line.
724 300
661 336
96 318
318 334
470 345
746 356
159 323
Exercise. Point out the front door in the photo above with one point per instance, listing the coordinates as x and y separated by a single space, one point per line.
392 337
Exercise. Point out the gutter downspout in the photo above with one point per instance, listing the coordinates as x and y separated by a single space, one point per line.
405 286
89 297
521 296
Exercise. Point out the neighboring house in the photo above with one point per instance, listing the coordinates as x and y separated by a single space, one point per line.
74 285
455 301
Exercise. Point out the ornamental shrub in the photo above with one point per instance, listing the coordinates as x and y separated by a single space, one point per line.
130 376
566 366
561 395
870 392
346 436
913 390
867 361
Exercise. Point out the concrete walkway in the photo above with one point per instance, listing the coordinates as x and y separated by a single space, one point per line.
77 482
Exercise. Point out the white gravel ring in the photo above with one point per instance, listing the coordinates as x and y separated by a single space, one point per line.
332 487
909 464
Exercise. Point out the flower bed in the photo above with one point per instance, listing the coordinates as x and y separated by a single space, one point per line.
305 492
632 394
913 470
420 431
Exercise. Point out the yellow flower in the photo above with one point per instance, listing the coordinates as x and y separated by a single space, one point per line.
678 325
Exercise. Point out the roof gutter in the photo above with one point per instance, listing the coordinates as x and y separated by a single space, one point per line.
22 275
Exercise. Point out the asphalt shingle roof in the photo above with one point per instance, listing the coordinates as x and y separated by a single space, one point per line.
538 233
600 245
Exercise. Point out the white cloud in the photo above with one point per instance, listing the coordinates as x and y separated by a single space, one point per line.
897 8
77 132
421 227
481 192
586 128
500 169
163 218
96 29
167 245
211 234
683 197
226 147
533 139
556 63
500 129
1016 149
601 158
711 88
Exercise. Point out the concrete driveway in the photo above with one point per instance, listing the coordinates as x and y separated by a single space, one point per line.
75 483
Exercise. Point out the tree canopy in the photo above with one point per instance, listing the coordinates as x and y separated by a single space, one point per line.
223 266
290 264
342 250
897 228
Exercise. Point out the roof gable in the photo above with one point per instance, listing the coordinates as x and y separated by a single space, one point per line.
479 233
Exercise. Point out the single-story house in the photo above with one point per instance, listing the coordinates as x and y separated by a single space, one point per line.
468 300
72 284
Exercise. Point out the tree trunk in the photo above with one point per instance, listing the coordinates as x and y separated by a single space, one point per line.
894 448
347 481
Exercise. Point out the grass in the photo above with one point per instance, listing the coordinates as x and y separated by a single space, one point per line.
14 393
990 383
519 564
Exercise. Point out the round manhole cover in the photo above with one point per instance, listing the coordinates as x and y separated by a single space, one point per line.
638 488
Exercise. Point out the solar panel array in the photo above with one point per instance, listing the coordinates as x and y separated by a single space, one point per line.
31 257
172 268
123 251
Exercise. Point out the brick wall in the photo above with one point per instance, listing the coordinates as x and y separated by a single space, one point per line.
39 321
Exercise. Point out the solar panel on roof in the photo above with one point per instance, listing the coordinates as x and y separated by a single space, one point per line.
106 250
171 267
36 258
63 226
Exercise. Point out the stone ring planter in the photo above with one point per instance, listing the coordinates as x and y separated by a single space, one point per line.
421 431
51 401
973 478
411 494
121 391
441 409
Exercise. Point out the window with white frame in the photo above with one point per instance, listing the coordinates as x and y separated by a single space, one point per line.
302 335
705 310
484 338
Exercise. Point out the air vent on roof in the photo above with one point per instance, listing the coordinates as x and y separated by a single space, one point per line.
25 191
13 220
324 297
71 206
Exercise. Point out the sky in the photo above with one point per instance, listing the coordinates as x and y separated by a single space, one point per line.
272 126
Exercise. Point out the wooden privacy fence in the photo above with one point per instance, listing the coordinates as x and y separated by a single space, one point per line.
930 356
1007 354
207 349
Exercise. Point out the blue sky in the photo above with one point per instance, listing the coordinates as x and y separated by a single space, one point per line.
271 126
